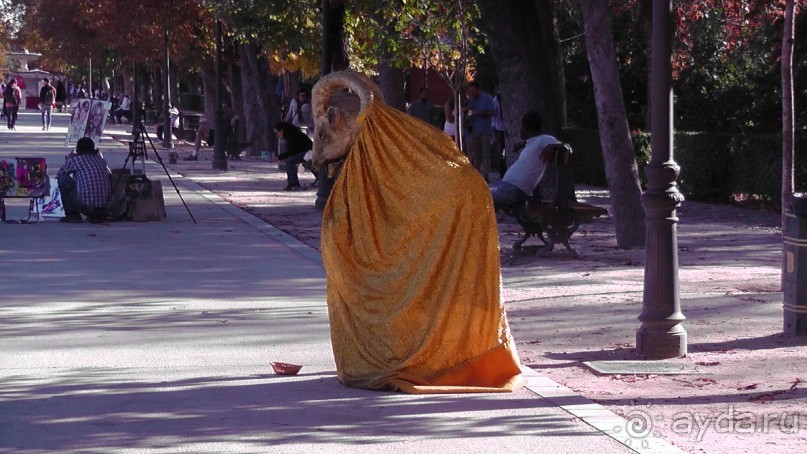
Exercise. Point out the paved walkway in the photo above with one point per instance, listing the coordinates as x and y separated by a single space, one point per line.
157 337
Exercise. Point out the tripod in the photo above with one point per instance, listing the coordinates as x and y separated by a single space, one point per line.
137 150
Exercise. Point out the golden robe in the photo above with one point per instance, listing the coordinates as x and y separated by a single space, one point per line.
411 251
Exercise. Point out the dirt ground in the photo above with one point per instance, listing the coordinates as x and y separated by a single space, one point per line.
749 393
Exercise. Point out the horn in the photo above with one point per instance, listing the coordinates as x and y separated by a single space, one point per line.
358 83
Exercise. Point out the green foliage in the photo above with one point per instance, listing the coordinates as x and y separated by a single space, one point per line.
706 166
427 33
289 29
587 158
715 167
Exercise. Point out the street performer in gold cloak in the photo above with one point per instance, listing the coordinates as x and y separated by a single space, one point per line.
411 251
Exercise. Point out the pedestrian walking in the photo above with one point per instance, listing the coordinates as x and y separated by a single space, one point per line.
12 97
47 99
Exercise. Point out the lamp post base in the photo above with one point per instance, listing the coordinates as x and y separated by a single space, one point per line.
219 164
661 345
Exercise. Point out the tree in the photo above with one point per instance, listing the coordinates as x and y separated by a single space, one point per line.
443 36
621 169
788 39
525 47
279 33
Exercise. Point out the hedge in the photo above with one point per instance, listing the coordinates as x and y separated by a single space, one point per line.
714 167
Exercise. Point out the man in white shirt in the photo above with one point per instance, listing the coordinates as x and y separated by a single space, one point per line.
299 113
124 110
523 176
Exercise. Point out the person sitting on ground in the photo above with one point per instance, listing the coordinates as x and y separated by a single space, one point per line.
124 109
297 145
84 184
523 176
208 133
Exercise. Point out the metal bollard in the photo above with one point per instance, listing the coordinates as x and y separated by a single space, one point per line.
794 265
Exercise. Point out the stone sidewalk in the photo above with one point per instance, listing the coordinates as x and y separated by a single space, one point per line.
157 337
565 312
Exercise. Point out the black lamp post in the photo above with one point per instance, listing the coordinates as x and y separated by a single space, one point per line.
167 142
662 333
325 184
219 158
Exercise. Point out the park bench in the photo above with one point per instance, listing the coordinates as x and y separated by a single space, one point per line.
553 213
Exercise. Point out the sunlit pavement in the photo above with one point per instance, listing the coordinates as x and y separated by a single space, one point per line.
157 337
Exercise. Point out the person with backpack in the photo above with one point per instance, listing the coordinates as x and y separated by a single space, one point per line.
47 99
12 97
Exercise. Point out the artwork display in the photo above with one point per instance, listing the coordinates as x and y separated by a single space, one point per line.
26 177
88 120
51 204
96 120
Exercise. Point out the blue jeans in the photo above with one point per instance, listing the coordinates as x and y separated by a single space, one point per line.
70 202
11 113
506 194
47 111
291 168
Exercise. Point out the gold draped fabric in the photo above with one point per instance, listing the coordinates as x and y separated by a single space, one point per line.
410 247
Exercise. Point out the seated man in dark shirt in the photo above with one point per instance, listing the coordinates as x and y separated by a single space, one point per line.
297 144
84 184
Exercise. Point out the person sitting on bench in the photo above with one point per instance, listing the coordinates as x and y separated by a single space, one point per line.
84 184
523 176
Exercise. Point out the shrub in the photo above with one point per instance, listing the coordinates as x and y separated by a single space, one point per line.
714 167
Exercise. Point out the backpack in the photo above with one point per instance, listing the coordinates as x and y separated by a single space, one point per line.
8 96
46 97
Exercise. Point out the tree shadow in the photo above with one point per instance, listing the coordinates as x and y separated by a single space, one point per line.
98 409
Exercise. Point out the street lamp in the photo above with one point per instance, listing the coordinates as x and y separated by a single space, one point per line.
661 334
167 143
219 158
325 184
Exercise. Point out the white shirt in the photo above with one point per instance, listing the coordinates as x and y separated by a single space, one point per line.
305 112
527 171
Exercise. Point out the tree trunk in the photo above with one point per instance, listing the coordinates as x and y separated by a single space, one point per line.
621 170
209 94
270 110
237 99
524 41
391 81
787 106
252 101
